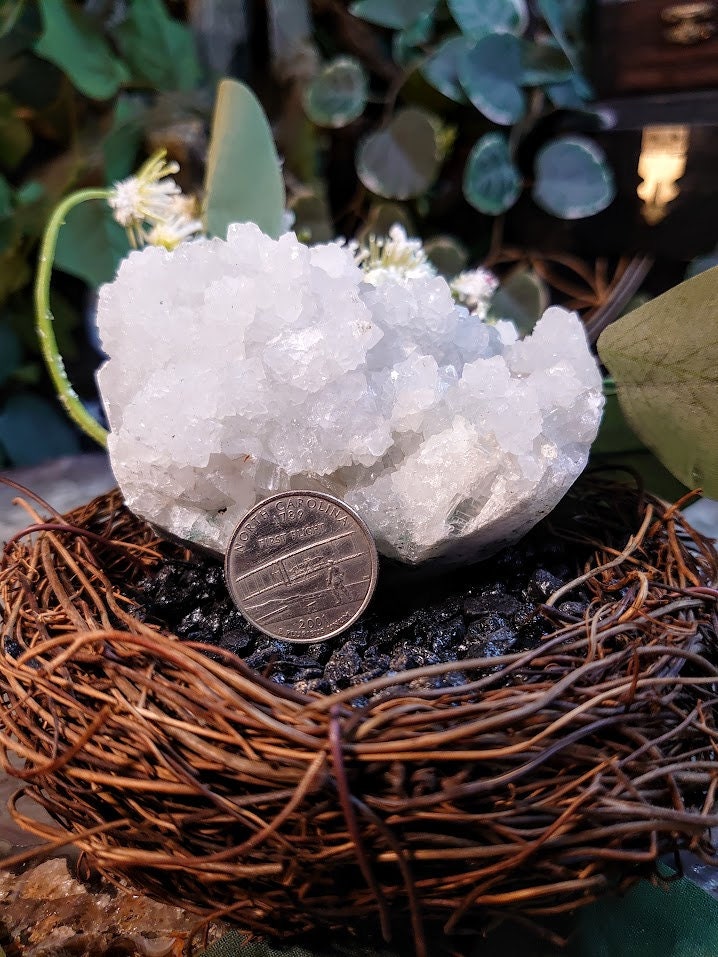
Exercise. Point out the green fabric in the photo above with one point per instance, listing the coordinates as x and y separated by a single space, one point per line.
676 919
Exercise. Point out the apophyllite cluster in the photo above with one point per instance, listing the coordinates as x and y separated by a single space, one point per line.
244 367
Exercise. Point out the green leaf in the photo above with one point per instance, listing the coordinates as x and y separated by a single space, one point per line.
563 18
401 160
90 244
15 135
664 360
544 64
479 18
572 93
405 43
122 143
396 14
490 72
312 216
32 430
10 352
572 178
381 217
441 69
72 42
447 254
243 181
159 51
492 184
338 94
523 298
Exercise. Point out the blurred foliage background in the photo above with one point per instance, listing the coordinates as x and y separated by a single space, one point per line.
451 117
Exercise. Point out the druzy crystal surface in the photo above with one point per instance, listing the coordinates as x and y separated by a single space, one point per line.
242 368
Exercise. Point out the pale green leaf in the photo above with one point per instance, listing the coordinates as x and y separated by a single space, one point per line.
491 72
243 182
401 160
338 94
396 14
572 178
492 183
664 360
159 51
478 18
72 41
441 69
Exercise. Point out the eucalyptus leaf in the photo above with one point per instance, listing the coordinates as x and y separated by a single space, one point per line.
570 94
10 352
441 69
447 254
338 94
522 298
243 180
15 135
405 43
572 178
159 51
544 64
90 244
479 18
401 160
33 430
563 20
491 73
664 360
73 42
492 183
396 14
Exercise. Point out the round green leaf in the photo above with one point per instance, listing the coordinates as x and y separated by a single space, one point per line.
490 72
544 63
396 14
338 94
312 216
243 178
33 430
72 41
478 18
523 298
572 93
492 183
663 357
405 44
572 178
447 254
401 160
441 69
380 219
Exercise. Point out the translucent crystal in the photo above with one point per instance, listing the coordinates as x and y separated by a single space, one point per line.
242 368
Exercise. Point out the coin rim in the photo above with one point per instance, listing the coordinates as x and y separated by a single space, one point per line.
372 550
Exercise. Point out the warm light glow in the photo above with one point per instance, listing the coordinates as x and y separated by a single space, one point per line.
661 164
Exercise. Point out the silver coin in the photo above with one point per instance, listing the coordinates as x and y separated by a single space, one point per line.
301 566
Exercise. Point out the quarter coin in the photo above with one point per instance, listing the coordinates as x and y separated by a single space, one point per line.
301 566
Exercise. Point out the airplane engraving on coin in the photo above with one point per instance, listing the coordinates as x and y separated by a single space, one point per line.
301 566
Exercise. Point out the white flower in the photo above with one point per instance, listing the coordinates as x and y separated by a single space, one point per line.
396 257
147 198
474 289
173 231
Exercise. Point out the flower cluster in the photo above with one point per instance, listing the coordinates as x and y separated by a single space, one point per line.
393 257
151 206
475 289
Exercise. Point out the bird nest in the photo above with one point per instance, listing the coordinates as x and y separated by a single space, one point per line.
547 777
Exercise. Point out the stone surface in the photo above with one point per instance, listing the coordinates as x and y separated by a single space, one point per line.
252 366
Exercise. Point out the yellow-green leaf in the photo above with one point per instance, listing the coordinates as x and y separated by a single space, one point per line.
663 357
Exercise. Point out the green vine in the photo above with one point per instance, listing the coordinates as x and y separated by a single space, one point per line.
44 318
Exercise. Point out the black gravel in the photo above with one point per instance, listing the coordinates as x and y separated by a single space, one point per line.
490 609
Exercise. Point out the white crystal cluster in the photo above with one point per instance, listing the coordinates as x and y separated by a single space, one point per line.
242 368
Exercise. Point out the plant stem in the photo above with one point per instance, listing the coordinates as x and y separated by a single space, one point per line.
44 318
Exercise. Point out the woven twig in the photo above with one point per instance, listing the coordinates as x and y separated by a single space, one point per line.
554 774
